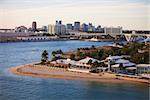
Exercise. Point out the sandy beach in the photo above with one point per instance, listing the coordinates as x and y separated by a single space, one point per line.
52 72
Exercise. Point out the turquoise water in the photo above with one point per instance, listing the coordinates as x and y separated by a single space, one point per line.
13 87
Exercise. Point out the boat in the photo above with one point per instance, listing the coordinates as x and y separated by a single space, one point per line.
94 39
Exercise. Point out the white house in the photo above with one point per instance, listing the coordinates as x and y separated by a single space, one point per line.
114 63
77 66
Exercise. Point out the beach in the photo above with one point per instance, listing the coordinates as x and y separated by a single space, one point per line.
42 71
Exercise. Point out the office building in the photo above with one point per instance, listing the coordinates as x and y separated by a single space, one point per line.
84 27
77 26
60 28
91 28
51 29
69 27
34 26
44 28
113 31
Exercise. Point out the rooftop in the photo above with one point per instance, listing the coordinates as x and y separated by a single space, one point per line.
87 59
114 57
143 65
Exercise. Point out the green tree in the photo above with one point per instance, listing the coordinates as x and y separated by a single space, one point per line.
137 58
72 57
57 52
44 58
79 53
146 58
125 51
90 62
93 54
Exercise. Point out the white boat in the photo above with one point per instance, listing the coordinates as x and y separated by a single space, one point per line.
94 39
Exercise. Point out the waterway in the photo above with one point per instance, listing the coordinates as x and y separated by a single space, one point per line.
13 87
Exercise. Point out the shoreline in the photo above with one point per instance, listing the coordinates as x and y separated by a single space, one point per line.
40 71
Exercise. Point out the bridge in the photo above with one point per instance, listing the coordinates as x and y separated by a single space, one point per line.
86 35
134 37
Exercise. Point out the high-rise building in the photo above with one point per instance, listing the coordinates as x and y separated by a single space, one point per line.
69 27
34 26
60 28
91 28
60 22
51 29
44 28
84 27
57 22
77 26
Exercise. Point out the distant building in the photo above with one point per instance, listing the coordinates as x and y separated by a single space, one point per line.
44 28
99 29
91 28
77 26
51 29
84 27
60 28
21 29
69 27
113 31
60 22
63 29
34 26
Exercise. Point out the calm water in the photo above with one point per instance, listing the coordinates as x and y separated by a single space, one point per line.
13 87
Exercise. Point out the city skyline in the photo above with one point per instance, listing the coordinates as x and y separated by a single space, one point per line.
125 13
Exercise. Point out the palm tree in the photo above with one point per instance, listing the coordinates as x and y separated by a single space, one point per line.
44 58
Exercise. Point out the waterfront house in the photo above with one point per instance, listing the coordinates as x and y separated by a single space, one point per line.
78 67
72 65
119 65
147 40
87 59
113 58
83 65
61 63
143 69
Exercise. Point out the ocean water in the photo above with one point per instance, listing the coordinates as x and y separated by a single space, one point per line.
13 87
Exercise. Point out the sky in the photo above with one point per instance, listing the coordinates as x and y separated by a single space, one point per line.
130 14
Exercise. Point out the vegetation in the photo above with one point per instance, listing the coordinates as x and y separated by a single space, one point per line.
72 57
100 53
57 52
130 49
44 58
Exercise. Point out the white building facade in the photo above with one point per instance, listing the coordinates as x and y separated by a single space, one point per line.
51 29
113 31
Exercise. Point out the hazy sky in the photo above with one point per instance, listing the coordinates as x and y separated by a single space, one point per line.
131 14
